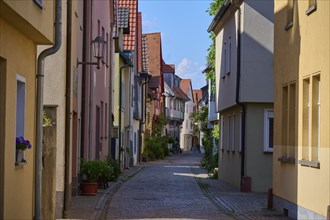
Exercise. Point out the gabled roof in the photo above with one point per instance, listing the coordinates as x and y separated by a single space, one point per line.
186 86
180 94
139 42
168 68
197 96
129 39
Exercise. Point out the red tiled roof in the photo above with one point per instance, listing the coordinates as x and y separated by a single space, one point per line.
129 39
186 86
139 42
197 96
180 94
168 68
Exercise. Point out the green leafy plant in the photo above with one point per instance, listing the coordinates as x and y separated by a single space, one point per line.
115 167
95 170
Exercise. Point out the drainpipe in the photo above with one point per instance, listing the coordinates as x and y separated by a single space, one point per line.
67 111
91 93
238 80
119 109
83 84
110 95
39 110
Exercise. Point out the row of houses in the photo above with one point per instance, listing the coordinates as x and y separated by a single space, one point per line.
272 86
78 80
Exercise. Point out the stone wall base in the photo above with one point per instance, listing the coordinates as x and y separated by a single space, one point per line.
293 210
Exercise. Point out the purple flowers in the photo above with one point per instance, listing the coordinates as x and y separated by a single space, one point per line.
22 144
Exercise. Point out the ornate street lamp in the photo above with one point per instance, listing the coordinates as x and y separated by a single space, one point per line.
99 45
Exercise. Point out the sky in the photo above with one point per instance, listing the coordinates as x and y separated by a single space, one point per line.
183 25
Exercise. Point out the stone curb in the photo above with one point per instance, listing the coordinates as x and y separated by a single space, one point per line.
103 203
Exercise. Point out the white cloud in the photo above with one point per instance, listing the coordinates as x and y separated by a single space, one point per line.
188 69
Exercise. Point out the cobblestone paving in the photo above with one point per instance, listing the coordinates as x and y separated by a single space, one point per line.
164 189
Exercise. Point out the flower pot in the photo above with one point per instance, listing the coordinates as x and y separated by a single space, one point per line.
88 189
19 158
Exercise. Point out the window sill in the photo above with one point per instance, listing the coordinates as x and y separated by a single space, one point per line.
309 163
289 160
288 25
20 164
268 152
311 9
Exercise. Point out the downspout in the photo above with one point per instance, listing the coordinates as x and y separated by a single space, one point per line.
39 110
83 84
67 110
91 94
110 95
238 81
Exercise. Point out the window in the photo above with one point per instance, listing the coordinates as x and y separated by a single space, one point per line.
311 122
101 121
222 126
107 50
268 130
20 109
225 59
106 120
233 142
229 134
240 131
312 6
229 57
290 11
288 123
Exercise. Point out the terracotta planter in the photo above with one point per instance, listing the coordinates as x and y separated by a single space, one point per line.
88 189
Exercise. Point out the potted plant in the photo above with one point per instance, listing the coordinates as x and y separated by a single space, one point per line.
91 171
21 146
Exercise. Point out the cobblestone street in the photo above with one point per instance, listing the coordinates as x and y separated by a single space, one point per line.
177 188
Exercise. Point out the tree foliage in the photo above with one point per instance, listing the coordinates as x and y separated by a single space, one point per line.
210 71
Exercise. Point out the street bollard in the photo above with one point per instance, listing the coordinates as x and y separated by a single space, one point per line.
270 199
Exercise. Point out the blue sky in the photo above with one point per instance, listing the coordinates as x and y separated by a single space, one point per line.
183 25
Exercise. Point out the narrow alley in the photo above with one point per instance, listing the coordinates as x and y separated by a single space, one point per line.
174 188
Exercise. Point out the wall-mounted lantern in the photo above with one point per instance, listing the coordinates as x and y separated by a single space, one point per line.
98 45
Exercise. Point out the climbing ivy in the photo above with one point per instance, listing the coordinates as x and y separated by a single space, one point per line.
210 71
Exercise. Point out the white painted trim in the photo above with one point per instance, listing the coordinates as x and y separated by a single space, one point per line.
268 113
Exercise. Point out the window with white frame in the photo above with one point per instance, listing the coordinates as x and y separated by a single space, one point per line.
268 130
20 108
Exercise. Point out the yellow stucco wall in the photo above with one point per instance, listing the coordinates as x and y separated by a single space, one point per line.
20 55
33 21
302 51
23 25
